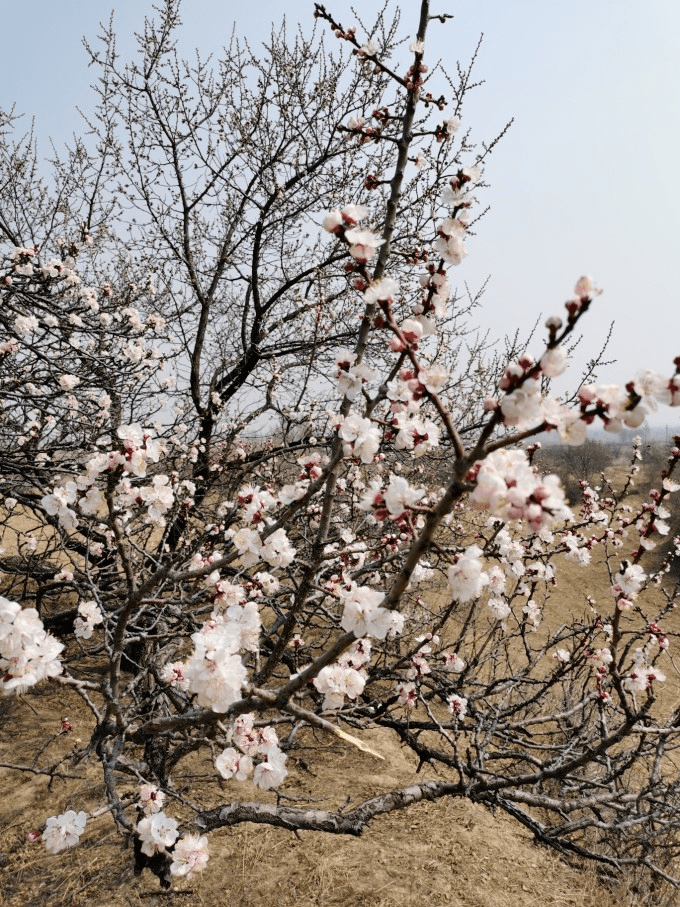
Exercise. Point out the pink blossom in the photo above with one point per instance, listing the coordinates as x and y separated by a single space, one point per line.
361 437
271 770
449 243
384 290
452 124
509 488
249 544
25 325
408 693
362 614
89 616
68 382
158 497
642 676
277 550
630 581
399 496
28 654
585 288
453 662
336 682
457 706
499 608
151 799
434 378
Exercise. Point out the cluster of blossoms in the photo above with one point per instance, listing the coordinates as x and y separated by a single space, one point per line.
466 577
627 584
407 692
656 512
345 678
642 675
189 855
601 659
363 616
89 616
28 653
451 232
630 407
363 244
508 487
410 431
420 664
391 502
158 833
254 505
504 484
360 437
351 377
25 264
215 671
230 602
139 448
255 750
523 406
275 549
453 662
72 326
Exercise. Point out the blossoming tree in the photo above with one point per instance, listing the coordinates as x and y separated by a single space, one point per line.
273 479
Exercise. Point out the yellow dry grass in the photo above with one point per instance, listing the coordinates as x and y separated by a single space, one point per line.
453 854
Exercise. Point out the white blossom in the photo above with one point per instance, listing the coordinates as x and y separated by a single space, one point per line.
89 616
363 616
466 577
157 832
189 855
64 831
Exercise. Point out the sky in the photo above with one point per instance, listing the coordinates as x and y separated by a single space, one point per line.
585 182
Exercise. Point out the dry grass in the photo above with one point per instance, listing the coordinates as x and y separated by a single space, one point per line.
451 853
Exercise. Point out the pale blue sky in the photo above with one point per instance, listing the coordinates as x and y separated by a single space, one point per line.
585 182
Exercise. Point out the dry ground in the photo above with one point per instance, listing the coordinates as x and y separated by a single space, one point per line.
449 853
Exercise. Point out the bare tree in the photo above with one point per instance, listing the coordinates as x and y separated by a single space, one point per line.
576 465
